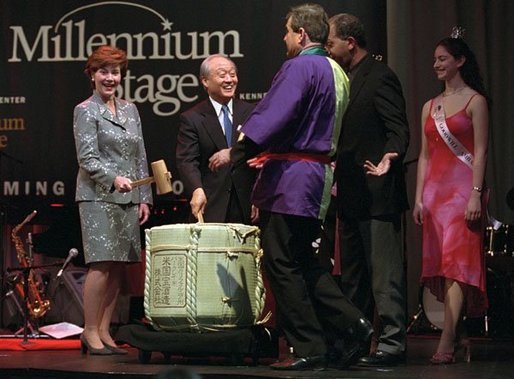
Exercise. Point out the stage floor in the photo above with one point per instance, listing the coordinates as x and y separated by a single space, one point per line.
492 359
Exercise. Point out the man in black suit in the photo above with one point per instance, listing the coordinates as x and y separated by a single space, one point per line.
371 191
206 134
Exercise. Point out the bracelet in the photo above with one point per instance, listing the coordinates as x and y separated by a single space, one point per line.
478 189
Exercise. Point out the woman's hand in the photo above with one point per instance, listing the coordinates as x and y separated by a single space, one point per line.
122 184
144 213
474 208
417 213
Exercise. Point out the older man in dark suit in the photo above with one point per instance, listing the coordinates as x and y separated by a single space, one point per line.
206 134
371 190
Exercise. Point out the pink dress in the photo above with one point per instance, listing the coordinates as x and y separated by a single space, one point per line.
452 248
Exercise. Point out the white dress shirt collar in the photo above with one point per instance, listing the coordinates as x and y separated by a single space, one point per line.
217 107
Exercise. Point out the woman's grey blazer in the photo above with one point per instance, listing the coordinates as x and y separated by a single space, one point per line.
109 146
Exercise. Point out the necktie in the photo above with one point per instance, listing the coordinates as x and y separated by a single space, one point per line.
227 125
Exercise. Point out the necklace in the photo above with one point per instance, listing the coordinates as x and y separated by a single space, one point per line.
445 94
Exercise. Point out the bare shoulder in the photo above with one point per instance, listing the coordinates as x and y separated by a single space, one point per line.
477 106
426 107
478 100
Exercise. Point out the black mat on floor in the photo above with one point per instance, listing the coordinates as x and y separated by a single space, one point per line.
255 342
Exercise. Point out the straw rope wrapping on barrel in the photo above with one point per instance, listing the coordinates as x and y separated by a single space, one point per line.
192 272
221 266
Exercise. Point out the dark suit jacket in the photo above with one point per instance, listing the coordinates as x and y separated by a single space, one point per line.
374 123
199 137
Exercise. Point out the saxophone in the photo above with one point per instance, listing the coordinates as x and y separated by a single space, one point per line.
36 304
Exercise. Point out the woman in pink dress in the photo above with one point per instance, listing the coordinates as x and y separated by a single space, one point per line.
450 200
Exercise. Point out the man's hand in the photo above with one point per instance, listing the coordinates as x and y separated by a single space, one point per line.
255 162
254 215
383 167
219 160
198 202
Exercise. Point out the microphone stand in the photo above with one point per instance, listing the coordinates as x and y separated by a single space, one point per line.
26 275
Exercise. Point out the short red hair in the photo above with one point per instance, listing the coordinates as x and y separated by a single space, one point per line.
106 56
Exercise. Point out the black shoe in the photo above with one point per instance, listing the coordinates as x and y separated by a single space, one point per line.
361 331
305 363
342 360
85 347
357 341
115 350
381 359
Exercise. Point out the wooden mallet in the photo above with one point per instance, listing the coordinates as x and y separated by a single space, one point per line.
161 177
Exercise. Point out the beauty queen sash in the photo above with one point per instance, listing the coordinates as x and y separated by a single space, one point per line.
460 152
453 143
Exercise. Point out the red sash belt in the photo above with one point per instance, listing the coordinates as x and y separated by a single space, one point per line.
260 159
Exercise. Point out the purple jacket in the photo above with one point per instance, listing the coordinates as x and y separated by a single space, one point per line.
301 113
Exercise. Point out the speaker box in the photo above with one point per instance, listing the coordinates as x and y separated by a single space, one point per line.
65 295
66 301
12 313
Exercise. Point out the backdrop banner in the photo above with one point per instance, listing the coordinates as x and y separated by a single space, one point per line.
44 46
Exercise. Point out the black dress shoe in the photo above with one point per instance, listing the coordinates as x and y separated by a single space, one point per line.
361 331
381 359
357 340
343 359
304 363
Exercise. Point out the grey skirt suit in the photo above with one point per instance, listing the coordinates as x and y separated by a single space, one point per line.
107 146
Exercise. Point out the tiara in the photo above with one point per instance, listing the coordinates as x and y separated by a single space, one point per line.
457 32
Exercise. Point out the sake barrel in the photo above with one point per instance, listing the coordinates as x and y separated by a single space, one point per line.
203 276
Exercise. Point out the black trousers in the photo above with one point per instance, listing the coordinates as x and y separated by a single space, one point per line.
234 211
373 274
309 301
327 237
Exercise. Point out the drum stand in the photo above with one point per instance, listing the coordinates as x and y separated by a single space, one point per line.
420 315
418 319
415 319
486 325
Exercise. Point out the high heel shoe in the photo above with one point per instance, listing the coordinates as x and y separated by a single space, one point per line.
115 349
463 342
443 358
85 347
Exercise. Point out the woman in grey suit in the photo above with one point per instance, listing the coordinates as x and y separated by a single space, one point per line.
110 154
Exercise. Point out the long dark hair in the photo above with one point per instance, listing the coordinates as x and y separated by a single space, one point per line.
469 71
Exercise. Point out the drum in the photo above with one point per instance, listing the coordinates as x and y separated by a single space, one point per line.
499 248
432 308
203 276
498 322
500 241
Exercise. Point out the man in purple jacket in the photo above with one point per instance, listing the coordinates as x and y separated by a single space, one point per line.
294 131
